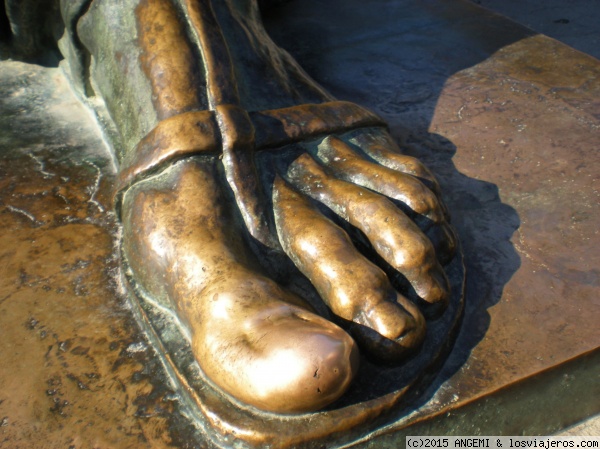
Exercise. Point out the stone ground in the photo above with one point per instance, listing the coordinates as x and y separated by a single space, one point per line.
575 23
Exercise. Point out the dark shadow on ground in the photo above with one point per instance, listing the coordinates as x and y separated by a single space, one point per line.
394 56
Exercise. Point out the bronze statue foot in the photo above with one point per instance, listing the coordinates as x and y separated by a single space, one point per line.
233 161
387 200
184 244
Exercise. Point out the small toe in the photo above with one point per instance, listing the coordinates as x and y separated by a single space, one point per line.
392 234
379 146
356 290
412 195
408 192
444 240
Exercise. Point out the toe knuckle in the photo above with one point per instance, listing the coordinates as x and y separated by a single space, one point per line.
415 252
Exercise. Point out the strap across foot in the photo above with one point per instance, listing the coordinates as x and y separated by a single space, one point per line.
195 133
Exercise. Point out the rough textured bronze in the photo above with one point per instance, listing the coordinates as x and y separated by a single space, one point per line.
168 60
279 127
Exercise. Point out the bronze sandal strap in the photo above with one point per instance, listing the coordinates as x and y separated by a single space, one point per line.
280 127
194 133
172 139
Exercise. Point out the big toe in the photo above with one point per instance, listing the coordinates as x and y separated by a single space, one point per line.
306 367
286 360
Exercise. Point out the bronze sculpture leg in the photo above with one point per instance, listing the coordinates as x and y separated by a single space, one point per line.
232 158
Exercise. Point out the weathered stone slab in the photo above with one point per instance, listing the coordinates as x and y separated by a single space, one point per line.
509 122
76 371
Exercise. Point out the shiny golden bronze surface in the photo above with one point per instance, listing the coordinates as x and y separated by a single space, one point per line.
97 357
